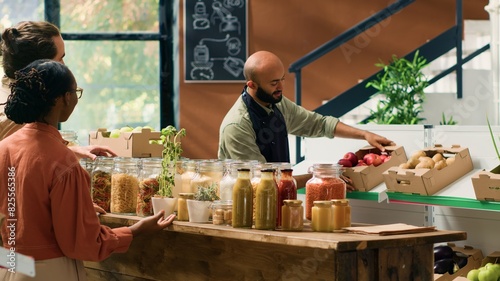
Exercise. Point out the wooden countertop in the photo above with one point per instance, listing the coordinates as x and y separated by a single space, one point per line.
306 238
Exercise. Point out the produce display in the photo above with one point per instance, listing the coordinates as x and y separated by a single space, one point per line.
420 160
488 272
350 159
448 261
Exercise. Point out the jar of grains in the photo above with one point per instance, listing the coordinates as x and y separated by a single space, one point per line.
100 181
124 185
182 210
325 184
148 185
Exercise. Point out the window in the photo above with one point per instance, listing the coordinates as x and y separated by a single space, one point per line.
114 50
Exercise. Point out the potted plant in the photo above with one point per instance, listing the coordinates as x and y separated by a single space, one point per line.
401 85
199 207
163 199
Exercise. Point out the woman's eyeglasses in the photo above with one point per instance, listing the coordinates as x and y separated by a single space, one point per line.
78 92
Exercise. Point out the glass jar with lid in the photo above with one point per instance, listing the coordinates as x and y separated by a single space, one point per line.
292 215
100 181
229 179
149 172
325 184
209 173
70 137
182 209
322 216
124 185
222 212
255 179
189 172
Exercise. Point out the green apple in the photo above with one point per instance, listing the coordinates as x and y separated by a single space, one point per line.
487 274
115 133
137 129
126 129
149 127
472 275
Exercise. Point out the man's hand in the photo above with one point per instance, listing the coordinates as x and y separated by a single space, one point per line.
348 183
378 141
92 151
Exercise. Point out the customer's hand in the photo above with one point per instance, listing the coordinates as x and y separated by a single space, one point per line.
152 224
98 209
92 151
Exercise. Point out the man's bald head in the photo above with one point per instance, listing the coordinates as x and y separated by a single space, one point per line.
260 63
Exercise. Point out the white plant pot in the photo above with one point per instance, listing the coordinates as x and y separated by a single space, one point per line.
199 211
164 203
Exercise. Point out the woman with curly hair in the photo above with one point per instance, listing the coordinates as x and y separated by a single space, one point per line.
54 218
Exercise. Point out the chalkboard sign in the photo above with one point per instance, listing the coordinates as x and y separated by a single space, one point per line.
215 40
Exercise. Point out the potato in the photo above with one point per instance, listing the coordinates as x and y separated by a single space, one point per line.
404 165
437 157
424 165
412 162
440 164
425 158
418 154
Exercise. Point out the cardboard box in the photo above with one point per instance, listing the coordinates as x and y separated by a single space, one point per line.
487 185
491 258
131 144
365 178
430 181
473 261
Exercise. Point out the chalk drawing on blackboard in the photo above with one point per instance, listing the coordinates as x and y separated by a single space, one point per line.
234 3
229 23
200 16
203 63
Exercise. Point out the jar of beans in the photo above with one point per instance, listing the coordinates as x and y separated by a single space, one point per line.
325 184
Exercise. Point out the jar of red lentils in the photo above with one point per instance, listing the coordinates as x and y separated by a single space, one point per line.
324 185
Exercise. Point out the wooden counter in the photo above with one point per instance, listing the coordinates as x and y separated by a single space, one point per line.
192 251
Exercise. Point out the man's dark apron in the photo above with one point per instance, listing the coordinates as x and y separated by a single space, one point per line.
270 129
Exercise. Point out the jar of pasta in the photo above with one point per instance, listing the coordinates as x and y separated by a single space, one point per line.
148 185
124 185
325 184
100 181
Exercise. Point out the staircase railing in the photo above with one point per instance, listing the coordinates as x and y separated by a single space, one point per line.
343 103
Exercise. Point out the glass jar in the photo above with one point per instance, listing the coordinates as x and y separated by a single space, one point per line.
287 189
208 173
148 185
279 166
256 175
322 216
70 137
182 209
292 218
339 214
222 212
124 186
100 181
325 184
87 164
229 179
266 201
347 213
188 174
242 200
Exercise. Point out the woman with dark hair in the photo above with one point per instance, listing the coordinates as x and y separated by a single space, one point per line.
54 219
21 45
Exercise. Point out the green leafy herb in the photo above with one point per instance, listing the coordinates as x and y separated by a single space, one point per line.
207 193
450 121
402 85
171 153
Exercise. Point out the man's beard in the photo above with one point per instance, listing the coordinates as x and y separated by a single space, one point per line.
266 97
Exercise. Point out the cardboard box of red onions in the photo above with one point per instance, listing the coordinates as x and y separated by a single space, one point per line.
370 163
